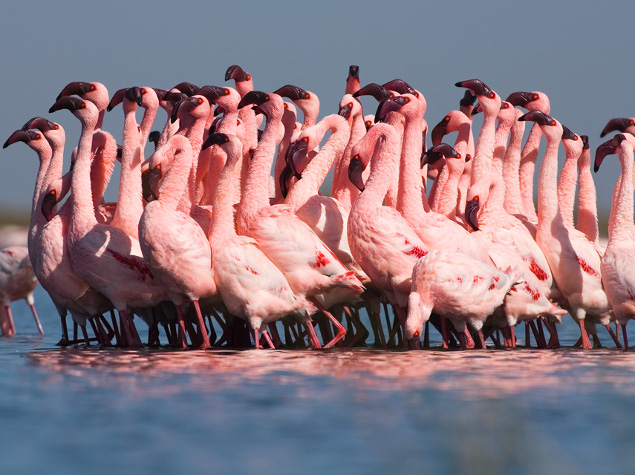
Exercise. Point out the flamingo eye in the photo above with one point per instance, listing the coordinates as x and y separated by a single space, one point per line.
138 128
446 118
266 98
492 95
286 106
553 122
248 77
575 137
369 122
356 157
535 97
143 90
82 105
505 105
406 100
416 94
53 192
92 87
158 167
458 155
38 136
350 105
305 139
200 101
631 122
307 96
391 95
475 198
56 127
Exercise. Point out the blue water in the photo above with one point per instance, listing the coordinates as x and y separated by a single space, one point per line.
359 411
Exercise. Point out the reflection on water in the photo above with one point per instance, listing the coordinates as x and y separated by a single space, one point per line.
468 374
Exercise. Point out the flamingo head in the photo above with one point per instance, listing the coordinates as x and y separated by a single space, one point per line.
607 148
26 136
400 87
467 103
624 124
585 142
550 127
285 176
296 155
95 92
41 124
294 93
489 101
186 88
237 73
154 137
438 152
392 104
196 106
353 72
380 93
355 170
51 198
263 103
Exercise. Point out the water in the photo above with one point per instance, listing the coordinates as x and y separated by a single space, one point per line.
359 411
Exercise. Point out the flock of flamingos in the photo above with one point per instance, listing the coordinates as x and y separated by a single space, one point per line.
222 237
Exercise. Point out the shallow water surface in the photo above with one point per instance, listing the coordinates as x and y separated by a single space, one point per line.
357 411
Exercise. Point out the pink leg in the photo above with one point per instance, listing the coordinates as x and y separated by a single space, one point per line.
613 335
586 343
554 341
37 320
313 339
463 339
201 326
268 339
341 331
182 341
10 320
512 333
617 332
481 340
444 332
256 339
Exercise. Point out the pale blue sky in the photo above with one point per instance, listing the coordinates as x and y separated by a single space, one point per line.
576 52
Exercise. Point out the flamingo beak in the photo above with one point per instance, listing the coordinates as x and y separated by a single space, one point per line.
49 202
355 170
471 213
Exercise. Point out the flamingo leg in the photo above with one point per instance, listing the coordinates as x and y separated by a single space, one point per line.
426 335
257 339
64 340
11 324
361 333
86 339
444 333
118 341
37 320
586 343
268 340
527 336
201 326
341 331
625 337
311 332
613 336
182 341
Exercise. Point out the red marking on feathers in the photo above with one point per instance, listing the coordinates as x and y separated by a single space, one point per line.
252 270
132 263
535 295
477 278
416 250
495 279
587 268
320 259
537 270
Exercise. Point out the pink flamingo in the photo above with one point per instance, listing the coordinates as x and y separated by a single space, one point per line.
573 261
173 244
380 238
102 255
443 281
532 101
251 286
617 275
308 264
352 81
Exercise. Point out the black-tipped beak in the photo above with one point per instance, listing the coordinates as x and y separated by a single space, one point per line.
133 94
439 132
150 181
477 86
468 99
567 134
77 88
345 111
186 88
253 97
538 117
70 103
618 124
585 142
400 86
446 150
355 171
521 98
215 139
117 98
380 93
285 176
236 73
471 213
294 93
39 123
49 202
477 108
607 148
154 137
389 105
212 93
353 72
296 155
20 136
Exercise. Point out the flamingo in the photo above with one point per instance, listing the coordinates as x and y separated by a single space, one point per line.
618 277
587 217
251 286
573 260
173 244
352 81
104 256
308 264
532 101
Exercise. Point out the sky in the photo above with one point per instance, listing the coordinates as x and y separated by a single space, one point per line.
578 53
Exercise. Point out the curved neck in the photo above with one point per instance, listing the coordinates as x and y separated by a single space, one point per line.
587 218
146 124
255 193
103 165
548 214
484 148
567 185
289 128
343 189
223 209
500 145
174 183
622 225
410 196
511 164
130 203
446 197
526 172
83 213
317 169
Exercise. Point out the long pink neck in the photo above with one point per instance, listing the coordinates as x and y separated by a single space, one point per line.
492 213
500 145
317 169
446 199
37 218
193 128
549 219
567 183
146 124
103 165
511 164
343 189
527 168
382 169
484 150
130 204
255 195
288 120
83 213
587 221
174 183
223 208
622 225
397 121
410 196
